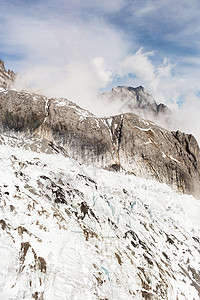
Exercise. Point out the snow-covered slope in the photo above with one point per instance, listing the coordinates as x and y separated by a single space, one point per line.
70 231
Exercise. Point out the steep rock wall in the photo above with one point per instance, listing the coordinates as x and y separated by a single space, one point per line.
150 151
125 142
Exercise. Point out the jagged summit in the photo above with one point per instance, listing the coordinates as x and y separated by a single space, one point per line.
122 88
7 77
137 100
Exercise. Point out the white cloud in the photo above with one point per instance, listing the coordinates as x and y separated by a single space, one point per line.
139 65
65 58
103 73
188 115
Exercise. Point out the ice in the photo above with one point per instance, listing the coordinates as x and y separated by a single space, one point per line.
114 236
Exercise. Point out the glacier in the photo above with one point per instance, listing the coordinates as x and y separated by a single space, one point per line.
71 231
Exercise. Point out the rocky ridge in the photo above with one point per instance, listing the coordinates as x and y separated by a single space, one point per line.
124 142
138 101
7 77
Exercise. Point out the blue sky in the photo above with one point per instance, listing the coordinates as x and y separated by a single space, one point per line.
76 48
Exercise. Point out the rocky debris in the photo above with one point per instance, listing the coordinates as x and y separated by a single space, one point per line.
124 142
7 77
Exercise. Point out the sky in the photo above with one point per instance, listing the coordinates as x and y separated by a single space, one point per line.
77 49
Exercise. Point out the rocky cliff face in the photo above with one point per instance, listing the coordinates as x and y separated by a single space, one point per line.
7 77
124 143
148 150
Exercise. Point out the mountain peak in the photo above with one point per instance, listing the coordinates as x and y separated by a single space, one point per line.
127 88
137 100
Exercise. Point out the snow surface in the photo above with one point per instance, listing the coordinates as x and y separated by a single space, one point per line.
76 232
144 129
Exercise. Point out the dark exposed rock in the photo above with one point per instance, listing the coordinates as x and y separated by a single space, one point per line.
136 241
7 77
87 180
42 266
23 252
3 224
89 234
124 142
56 192
38 296
118 258
162 108
12 208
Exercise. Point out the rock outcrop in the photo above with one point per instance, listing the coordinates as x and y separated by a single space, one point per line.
7 77
124 142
